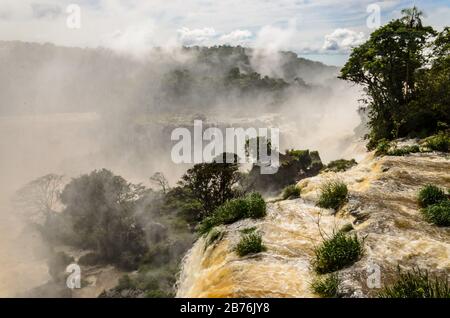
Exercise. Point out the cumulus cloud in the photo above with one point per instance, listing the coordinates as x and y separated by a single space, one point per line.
195 36
236 37
342 40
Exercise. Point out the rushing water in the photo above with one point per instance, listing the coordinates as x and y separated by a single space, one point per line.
383 209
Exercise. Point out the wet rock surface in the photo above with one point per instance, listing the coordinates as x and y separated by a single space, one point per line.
383 210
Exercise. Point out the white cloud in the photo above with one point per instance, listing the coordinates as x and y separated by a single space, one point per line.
195 36
342 40
273 38
134 39
196 21
236 37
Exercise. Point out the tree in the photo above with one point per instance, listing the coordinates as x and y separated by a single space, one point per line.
387 67
430 111
160 180
211 184
101 206
39 198
412 17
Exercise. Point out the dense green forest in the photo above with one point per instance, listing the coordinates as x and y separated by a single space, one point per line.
404 68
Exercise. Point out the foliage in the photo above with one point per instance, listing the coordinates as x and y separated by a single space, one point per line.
339 251
250 244
402 95
101 207
438 213
438 142
214 236
250 206
417 284
340 165
253 81
38 199
291 192
212 184
430 194
160 180
333 195
382 147
327 285
248 230
403 151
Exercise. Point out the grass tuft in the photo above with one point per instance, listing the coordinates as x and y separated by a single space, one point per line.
438 213
340 165
213 236
416 284
430 194
251 206
337 252
326 286
333 195
250 244
291 192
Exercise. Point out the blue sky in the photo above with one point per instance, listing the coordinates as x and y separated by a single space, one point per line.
323 30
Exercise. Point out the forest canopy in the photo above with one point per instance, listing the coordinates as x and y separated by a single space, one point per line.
404 68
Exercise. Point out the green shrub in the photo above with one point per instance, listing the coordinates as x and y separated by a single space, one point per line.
326 286
417 284
250 244
340 165
430 194
337 252
439 142
438 213
382 147
291 192
333 195
256 206
251 206
403 151
213 236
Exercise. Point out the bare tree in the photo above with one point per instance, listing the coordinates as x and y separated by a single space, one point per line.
160 180
37 199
